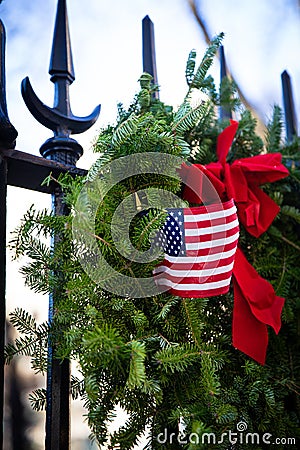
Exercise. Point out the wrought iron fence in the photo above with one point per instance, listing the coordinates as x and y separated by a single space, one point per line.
60 154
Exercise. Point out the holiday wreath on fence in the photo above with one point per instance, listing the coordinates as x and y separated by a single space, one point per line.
192 355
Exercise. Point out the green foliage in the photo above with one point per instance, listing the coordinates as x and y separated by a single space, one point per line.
274 131
197 79
190 67
38 399
32 342
163 359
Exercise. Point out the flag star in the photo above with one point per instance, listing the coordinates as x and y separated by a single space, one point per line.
179 213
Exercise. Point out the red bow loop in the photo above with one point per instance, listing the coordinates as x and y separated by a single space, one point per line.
255 302
239 180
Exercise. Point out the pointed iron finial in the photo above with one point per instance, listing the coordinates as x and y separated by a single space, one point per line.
289 107
60 118
149 57
61 62
225 111
8 133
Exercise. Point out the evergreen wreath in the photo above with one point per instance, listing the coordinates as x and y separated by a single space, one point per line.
168 361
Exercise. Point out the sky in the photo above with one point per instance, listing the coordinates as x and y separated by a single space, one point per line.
262 38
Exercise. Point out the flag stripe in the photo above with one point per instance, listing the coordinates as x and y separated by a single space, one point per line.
197 231
211 244
196 266
192 287
202 258
193 223
196 273
197 294
208 237
196 281
192 213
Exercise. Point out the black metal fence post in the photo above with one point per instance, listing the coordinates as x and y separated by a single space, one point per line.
289 107
225 111
8 136
3 188
58 421
62 149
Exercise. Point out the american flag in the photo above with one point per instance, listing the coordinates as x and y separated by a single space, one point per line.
199 246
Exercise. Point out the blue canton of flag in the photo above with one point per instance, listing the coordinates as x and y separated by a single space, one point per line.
171 237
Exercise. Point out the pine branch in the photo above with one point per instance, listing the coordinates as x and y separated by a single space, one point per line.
194 319
124 131
191 118
206 63
291 211
190 67
137 374
274 131
163 359
177 358
38 399
23 321
23 346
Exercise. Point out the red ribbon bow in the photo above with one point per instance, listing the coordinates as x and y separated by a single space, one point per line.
255 302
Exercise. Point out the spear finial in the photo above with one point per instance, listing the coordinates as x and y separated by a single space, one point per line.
61 62
149 57
289 107
60 118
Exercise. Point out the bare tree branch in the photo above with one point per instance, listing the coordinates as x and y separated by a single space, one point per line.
204 28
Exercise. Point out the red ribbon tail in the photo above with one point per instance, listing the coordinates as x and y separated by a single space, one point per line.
255 306
249 335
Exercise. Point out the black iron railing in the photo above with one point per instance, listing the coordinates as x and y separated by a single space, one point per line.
60 154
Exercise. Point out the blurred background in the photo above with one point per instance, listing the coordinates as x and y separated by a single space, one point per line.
262 39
